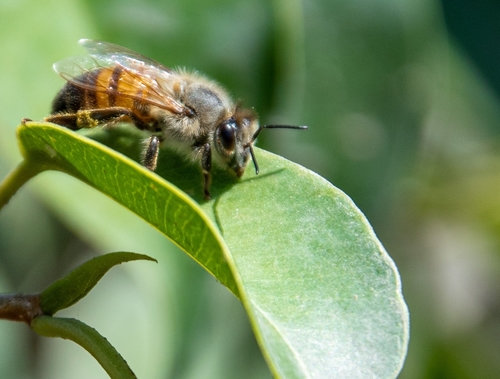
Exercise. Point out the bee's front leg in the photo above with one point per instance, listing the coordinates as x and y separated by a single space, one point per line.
150 154
206 166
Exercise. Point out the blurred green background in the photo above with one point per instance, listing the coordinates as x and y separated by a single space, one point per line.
402 101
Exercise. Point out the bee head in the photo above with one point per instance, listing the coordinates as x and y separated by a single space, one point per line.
234 138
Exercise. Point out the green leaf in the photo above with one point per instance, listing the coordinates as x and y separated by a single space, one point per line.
67 291
322 294
88 338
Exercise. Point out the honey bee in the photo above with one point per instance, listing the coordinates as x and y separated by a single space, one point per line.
182 110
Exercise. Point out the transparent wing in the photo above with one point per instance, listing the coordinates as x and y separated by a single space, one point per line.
137 77
115 54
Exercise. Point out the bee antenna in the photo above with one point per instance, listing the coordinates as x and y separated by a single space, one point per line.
256 134
254 160
277 126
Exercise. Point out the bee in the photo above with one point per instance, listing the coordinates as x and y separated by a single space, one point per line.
182 110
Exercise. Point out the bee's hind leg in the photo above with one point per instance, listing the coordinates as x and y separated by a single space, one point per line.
150 154
91 118
68 120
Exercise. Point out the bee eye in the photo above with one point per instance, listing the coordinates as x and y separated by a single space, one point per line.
227 135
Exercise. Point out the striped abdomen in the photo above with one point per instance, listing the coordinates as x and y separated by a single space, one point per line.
103 88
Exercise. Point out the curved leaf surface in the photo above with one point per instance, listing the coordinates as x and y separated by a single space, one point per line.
322 294
322 291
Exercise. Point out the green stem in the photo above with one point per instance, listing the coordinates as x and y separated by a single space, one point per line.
88 338
16 178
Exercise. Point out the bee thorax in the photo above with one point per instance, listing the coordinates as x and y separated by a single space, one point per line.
207 105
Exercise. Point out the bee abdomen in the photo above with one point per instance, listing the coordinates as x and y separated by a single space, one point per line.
71 98
68 100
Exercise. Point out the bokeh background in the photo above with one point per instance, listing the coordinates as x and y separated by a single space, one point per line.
402 101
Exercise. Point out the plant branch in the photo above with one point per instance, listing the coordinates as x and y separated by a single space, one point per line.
18 307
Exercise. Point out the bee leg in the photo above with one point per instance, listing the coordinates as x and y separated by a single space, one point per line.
150 155
110 115
206 166
68 120
90 118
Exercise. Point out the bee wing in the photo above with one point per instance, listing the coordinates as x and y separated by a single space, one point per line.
115 54
141 78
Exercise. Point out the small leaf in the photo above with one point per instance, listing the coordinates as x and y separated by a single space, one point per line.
88 338
74 286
